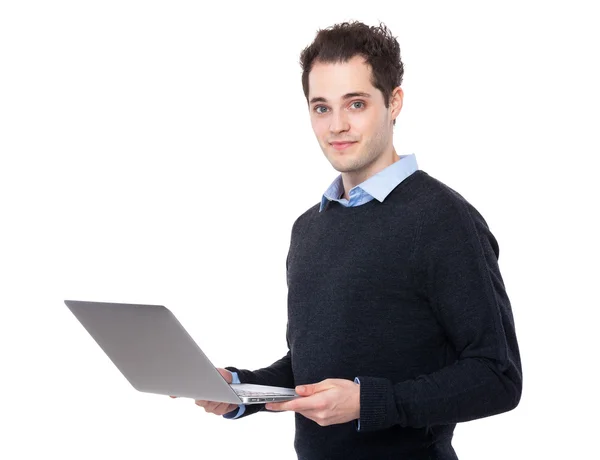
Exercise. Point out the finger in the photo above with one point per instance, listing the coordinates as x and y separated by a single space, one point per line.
218 409
315 402
210 406
223 408
313 388
226 375
204 404
304 390
275 407
283 406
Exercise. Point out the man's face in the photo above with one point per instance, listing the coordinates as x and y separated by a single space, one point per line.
337 115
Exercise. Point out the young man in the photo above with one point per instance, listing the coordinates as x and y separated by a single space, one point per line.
399 325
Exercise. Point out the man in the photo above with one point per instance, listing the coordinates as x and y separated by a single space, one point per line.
399 325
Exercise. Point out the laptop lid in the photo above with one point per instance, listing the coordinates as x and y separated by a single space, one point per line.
152 350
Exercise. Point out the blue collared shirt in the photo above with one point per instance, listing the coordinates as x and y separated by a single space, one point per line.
377 186
241 407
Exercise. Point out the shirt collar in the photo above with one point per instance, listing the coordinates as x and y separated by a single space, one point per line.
377 186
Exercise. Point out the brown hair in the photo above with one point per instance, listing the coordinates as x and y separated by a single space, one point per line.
341 42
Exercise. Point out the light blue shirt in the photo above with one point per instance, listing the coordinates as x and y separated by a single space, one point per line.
241 407
377 186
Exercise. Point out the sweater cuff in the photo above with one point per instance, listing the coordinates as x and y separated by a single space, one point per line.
377 405
244 375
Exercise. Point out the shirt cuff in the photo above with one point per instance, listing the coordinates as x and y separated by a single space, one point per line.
357 421
236 413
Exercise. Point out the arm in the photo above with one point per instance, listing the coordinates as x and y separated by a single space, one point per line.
458 260
277 374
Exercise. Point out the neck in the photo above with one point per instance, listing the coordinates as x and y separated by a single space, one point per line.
353 178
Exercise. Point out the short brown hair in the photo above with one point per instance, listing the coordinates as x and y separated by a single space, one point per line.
341 42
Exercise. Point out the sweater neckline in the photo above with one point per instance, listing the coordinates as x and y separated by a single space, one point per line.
373 202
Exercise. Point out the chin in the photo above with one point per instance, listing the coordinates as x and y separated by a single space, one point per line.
344 167
344 163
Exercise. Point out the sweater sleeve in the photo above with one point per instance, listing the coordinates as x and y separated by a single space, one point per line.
457 259
278 374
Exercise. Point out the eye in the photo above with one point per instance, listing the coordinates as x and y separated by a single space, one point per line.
358 102
316 109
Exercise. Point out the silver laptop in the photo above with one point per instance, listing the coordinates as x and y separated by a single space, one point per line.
157 355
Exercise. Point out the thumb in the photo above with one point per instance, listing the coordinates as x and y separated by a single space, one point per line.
225 374
307 390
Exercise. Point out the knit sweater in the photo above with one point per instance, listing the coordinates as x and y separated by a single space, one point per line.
405 294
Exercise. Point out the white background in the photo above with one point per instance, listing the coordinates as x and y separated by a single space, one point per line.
159 152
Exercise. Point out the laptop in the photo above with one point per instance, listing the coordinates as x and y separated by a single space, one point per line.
156 354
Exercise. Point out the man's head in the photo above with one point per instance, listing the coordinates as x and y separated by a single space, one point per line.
344 60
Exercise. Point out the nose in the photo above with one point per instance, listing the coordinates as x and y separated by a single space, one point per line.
338 123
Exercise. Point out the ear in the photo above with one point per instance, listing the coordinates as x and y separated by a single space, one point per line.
396 100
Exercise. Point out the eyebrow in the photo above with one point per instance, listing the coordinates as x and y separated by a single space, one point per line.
345 97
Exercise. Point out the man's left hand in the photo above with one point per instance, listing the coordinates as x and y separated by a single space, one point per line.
328 402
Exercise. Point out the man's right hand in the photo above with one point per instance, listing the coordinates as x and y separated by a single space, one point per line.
214 407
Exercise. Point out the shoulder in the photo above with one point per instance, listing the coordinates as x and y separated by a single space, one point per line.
448 220
441 203
306 217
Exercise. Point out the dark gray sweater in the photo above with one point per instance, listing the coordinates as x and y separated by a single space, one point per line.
406 295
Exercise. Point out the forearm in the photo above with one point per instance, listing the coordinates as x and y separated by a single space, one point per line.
278 374
469 389
457 262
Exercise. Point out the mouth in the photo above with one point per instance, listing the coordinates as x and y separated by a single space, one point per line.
341 145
